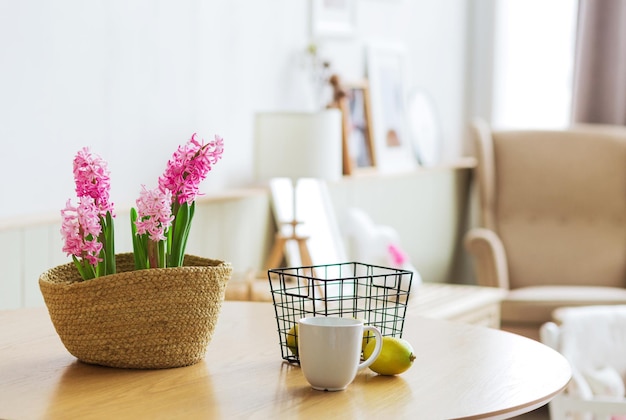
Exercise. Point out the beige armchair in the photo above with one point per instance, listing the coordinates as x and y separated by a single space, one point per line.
553 220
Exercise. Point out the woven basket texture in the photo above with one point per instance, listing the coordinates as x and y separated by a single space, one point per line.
143 319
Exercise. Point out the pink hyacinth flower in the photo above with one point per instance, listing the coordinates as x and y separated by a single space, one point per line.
154 213
91 177
189 166
80 229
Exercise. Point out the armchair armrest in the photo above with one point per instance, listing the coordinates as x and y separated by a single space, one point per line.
489 257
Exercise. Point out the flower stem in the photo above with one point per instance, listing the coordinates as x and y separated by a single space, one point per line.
153 254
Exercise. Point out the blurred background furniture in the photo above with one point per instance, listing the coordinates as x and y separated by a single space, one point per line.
467 304
462 303
593 340
552 220
296 145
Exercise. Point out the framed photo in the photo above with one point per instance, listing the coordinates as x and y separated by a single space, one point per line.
332 18
358 131
386 72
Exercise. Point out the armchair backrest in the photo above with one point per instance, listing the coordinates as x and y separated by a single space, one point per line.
557 200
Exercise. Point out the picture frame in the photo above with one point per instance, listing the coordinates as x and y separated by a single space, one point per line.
332 18
386 71
359 136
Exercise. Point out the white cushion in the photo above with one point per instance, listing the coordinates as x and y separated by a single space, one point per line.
605 381
593 337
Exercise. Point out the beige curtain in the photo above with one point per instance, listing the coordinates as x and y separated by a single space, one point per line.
599 94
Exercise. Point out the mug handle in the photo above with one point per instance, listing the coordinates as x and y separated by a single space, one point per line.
377 347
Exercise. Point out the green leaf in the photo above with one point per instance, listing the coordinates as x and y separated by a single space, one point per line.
185 234
180 234
86 270
110 244
93 273
139 243
133 219
162 255
169 235
79 267
173 248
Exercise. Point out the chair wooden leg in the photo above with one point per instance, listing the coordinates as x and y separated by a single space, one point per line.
277 253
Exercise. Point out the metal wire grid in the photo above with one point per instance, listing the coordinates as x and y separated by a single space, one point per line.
376 294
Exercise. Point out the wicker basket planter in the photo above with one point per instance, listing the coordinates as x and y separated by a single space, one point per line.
145 319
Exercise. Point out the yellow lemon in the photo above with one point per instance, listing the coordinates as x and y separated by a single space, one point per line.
396 356
367 337
292 339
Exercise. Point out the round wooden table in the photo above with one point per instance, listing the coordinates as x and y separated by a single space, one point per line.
461 371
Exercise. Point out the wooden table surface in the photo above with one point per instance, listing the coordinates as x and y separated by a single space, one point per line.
461 371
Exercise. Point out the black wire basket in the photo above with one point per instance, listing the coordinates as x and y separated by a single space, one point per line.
377 295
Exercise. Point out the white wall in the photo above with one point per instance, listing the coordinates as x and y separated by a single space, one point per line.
134 79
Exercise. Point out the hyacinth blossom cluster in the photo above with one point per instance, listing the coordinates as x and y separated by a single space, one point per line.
160 223
87 227
162 220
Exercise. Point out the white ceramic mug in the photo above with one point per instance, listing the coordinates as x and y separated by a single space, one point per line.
329 349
